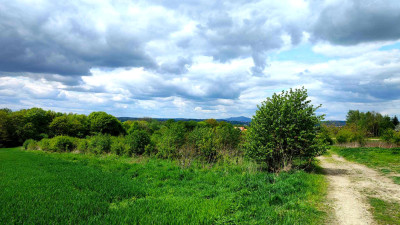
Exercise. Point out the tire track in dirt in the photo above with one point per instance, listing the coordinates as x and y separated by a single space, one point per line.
349 186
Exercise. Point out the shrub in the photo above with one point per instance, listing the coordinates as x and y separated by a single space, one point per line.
227 136
325 135
82 145
284 129
358 137
343 136
100 143
205 143
30 144
62 144
168 140
44 144
137 142
396 138
150 149
350 134
118 146
391 136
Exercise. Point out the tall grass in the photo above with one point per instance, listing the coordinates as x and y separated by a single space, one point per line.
47 188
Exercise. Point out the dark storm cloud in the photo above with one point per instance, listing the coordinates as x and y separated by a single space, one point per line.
65 37
178 66
253 37
41 42
356 21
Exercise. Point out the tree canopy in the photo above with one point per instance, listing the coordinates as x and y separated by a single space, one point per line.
283 129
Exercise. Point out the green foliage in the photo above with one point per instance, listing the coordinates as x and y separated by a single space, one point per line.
30 144
118 145
325 135
42 188
284 129
6 129
205 143
343 136
100 143
71 125
101 122
372 122
44 144
227 136
350 133
169 139
62 144
395 121
391 136
82 145
137 142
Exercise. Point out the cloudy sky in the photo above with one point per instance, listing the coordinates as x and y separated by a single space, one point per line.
198 58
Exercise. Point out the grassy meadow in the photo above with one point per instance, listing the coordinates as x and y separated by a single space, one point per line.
47 188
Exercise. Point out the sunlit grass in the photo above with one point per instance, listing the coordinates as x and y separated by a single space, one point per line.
385 212
48 188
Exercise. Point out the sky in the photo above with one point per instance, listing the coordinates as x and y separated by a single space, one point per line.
198 58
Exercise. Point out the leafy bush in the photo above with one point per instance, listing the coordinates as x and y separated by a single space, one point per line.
391 136
343 136
137 142
100 143
118 146
30 144
62 144
205 142
227 136
82 145
283 129
350 134
44 144
325 135
168 140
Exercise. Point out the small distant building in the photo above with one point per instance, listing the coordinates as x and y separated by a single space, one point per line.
241 128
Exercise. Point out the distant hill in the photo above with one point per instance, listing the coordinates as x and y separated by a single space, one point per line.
338 123
239 119
233 120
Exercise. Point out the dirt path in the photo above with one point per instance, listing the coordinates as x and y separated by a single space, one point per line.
349 186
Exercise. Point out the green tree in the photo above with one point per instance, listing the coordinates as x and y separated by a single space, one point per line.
169 139
71 125
395 121
137 142
284 129
101 122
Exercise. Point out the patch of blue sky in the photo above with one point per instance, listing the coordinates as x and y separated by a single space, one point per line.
302 53
390 47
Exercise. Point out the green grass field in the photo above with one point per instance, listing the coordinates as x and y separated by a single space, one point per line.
48 188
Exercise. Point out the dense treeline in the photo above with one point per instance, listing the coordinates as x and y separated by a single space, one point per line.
100 132
362 125
36 124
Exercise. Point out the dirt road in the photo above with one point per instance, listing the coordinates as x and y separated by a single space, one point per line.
349 186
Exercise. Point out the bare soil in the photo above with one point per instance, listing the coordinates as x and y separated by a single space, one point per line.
350 185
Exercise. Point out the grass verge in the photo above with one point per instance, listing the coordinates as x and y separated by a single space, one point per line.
385 160
385 212
47 188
